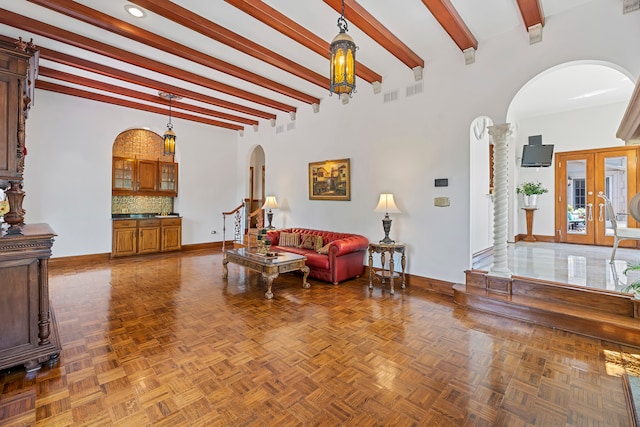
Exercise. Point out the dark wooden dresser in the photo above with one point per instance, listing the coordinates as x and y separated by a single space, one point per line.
28 332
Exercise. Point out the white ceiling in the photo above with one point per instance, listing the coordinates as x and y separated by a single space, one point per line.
409 20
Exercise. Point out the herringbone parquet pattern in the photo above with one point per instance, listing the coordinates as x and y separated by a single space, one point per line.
163 340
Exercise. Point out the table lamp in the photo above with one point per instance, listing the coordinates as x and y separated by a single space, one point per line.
387 205
270 203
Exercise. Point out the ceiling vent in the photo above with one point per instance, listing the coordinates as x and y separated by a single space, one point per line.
291 126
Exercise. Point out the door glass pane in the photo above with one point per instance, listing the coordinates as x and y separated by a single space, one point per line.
576 196
615 188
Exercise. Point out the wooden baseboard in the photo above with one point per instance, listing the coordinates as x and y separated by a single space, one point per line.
538 237
72 261
435 285
205 246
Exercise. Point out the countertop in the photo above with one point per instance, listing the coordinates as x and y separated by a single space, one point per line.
144 216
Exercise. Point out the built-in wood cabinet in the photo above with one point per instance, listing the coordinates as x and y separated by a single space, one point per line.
145 236
125 240
148 236
171 231
168 178
144 177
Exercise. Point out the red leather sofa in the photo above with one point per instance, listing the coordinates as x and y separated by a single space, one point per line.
344 260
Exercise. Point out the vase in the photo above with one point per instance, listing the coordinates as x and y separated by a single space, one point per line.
531 201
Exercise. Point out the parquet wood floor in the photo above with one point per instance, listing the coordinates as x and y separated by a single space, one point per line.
162 340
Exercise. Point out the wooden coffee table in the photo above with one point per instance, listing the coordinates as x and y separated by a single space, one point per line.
269 267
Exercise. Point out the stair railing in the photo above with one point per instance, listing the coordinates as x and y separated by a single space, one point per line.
237 224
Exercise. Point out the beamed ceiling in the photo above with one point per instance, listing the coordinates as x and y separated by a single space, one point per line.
245 63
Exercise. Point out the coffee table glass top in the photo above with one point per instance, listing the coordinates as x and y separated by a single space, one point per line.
251 254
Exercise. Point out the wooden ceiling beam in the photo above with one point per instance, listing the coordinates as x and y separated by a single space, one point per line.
450 20
199 24
279 22
531 11
124 29
83 64
361 18
107 87
18 21
54 87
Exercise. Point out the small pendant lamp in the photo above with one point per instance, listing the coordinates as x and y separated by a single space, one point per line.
343 60
169 135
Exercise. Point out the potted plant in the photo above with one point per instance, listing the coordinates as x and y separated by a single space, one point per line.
531 190
633 287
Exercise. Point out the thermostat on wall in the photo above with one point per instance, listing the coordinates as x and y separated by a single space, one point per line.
442 182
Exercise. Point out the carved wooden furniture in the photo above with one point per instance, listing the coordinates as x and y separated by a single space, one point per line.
269 267
18 65
144 236
28 333
384 274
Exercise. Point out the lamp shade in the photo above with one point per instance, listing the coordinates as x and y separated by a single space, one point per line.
270 203
386 204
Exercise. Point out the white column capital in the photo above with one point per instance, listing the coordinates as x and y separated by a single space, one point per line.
500 132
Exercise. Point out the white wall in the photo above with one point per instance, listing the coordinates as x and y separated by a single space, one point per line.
400 147
68 171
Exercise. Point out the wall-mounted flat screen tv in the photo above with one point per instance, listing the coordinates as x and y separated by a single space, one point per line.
535 156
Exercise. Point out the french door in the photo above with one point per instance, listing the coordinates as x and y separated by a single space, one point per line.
581 216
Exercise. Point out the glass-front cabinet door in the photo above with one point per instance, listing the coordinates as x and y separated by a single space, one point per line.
580 214
169 177
123 173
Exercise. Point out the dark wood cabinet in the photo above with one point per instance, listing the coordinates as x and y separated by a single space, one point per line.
28 332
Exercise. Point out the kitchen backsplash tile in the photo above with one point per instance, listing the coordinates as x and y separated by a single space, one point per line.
141 204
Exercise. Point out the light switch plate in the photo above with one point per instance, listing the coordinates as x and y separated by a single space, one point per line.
441 201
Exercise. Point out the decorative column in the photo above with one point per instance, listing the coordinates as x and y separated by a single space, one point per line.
499 138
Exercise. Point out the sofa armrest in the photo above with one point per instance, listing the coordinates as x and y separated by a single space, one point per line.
349 244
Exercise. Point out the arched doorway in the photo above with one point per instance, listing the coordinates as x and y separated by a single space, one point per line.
574 106
256 187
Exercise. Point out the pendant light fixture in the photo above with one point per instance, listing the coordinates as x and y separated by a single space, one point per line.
343 60
169 136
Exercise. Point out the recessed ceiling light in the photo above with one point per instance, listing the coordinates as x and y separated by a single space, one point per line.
135 11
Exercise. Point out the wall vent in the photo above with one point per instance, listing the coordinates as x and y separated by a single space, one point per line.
279 129
291 126
391 96
415 88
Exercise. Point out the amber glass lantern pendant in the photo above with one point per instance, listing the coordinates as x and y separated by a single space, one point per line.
343 60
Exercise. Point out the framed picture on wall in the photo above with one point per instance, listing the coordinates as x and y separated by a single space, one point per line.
330 180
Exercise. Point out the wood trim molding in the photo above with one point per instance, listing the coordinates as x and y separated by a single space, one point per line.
197 23
83 81
362 19
629 128
450 20
66 90
279 22
538 237
27 24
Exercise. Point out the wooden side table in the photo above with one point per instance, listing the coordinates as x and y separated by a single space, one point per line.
382 249
529 216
